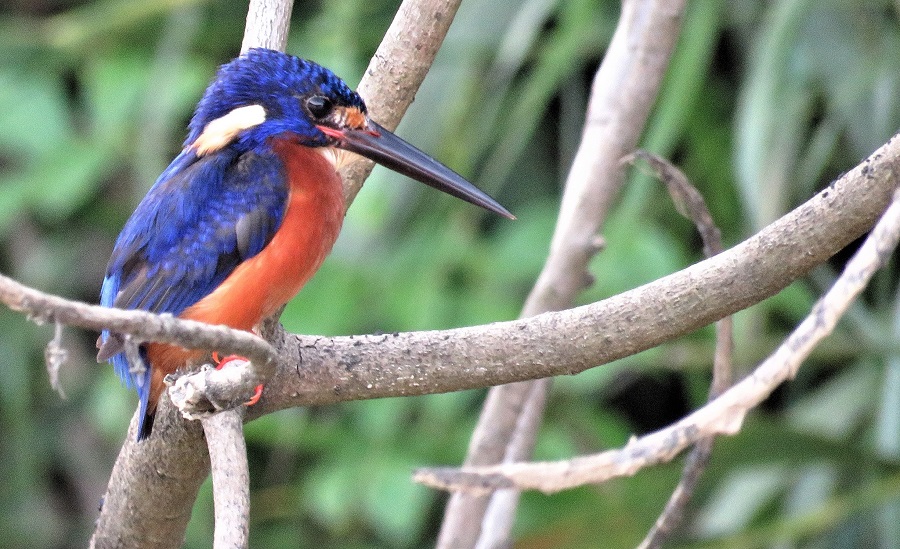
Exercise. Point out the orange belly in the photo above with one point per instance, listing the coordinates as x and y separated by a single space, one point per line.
259 286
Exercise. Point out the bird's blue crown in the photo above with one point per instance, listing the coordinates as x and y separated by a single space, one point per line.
282 84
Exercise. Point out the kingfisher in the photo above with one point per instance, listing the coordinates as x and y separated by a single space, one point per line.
247 211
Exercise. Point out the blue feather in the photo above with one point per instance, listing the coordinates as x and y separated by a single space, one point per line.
181 242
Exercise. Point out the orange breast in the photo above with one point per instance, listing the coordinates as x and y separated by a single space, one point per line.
261 285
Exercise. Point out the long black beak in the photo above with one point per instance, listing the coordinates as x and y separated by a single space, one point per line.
385 148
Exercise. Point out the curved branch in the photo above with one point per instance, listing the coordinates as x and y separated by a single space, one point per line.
571 341
141 325
690 203
723 415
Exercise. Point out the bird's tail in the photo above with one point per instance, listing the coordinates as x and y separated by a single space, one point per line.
147 416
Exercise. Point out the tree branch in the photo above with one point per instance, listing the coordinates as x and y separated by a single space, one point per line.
571 341
42 308
723 415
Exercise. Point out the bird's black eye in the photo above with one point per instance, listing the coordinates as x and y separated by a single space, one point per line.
319 106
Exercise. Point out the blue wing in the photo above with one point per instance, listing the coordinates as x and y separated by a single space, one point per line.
198 222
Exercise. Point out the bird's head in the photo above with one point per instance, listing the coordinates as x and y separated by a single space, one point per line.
265 94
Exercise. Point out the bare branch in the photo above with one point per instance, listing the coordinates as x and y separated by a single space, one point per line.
153 485
574 340
723 415
268 22
41 307
673 513
624 89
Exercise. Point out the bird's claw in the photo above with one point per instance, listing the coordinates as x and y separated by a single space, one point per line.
221 363
255 398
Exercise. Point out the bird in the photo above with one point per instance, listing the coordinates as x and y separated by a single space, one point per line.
247 211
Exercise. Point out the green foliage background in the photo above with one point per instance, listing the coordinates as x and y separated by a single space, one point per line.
764 103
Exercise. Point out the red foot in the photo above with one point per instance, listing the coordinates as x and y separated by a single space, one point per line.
221 363
255 398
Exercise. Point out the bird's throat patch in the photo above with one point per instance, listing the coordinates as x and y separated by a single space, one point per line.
336 157
222 131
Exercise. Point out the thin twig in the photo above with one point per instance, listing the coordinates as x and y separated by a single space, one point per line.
689 203
55 355
622 94
723 415
41 307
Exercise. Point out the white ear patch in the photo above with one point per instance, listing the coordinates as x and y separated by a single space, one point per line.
223 130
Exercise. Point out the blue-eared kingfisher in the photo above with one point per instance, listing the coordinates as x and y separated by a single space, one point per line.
247 212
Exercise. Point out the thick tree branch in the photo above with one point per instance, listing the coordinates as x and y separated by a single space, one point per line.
153 485
572 341
624 90
723 415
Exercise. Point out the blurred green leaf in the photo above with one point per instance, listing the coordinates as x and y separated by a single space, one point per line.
739 498
396 505
38 120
